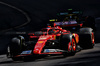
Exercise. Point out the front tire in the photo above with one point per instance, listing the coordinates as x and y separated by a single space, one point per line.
14 49
73 49
68 44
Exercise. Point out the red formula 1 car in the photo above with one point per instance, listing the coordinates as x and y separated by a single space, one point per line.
49 41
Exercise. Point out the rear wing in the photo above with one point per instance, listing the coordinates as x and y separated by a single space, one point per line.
70 12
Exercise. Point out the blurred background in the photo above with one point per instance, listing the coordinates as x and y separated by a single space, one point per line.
12 14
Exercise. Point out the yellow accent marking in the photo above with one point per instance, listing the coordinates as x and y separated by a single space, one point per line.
51 20
40 41
73 34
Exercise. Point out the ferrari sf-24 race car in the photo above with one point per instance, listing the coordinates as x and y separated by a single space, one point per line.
49 41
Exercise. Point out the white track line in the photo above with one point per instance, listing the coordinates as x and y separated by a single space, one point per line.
24 13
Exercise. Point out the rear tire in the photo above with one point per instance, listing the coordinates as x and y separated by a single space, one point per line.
86 38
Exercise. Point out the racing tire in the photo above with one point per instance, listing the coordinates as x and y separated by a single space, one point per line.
68 44
14 49
86 39
73 48
64 41
15 46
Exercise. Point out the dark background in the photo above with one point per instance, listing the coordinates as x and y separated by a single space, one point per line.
40 11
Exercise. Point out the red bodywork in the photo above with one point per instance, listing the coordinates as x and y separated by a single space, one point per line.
42 39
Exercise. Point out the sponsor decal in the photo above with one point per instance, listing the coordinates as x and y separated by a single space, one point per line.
42 38
52 50
49 50
27 52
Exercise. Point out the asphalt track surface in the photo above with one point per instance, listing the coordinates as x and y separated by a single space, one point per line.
87 57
